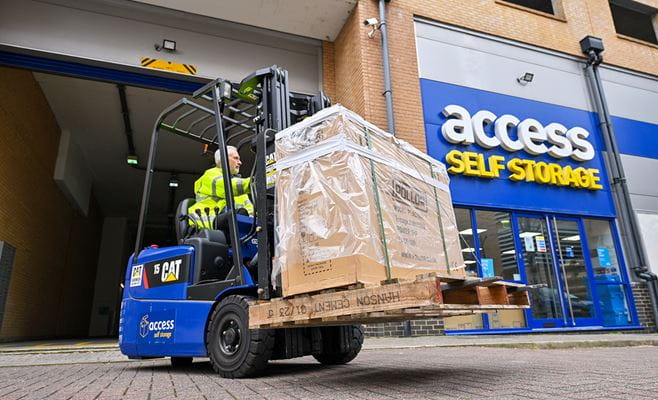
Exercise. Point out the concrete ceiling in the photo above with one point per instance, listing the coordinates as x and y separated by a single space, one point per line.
91 111
319 19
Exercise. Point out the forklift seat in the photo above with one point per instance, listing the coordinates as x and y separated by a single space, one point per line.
183 227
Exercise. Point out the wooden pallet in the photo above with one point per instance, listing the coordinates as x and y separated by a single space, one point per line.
429 296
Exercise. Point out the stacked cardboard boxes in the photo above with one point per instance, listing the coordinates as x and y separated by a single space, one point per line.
356 205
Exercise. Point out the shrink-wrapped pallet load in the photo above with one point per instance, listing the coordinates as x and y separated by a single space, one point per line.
356 205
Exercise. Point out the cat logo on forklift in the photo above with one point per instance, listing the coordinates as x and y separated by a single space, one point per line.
166 271
170 270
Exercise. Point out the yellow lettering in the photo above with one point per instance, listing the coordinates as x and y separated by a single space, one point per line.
454 158
583 177
484 172
557 175
470 163
541 172
594 179
530 174
518 174
495 163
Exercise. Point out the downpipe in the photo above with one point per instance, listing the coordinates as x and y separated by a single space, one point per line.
406 327
387 67
637 256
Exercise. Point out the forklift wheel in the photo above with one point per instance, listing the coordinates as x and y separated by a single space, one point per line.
331 346
178 362
235 351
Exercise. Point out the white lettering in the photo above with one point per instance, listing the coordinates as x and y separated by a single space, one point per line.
583 150
457 129
480 120
161 325
533 136
461 128
561 145
502 127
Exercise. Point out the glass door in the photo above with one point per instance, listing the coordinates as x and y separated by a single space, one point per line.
536 256
555 264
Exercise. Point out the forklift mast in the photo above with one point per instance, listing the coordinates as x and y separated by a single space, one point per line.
219 114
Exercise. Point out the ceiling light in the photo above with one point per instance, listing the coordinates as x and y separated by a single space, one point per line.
529 234
469 262
509 251
173 181
468 250
574 238
470 231
132 159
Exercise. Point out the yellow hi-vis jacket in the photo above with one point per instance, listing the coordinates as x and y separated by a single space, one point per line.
209 192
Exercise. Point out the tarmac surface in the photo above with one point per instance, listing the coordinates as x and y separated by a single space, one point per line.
584 366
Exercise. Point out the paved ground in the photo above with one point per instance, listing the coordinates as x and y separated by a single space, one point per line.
405 373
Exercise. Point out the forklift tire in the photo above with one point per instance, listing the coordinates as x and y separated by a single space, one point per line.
180 362
331 354
235 351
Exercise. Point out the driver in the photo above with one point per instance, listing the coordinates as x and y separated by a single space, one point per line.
209 191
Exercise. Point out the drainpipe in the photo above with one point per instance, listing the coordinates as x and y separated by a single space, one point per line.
389 97
633 240
387 68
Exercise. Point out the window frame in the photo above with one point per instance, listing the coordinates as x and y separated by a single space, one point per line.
558 9
639 8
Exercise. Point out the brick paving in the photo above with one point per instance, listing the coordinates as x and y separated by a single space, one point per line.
427 373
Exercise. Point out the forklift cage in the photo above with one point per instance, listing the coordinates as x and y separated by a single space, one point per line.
251 111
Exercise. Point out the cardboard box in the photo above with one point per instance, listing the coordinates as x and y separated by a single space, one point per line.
348 212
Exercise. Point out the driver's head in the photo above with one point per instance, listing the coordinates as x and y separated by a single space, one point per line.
234 162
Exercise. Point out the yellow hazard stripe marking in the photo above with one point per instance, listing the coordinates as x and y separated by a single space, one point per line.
165 65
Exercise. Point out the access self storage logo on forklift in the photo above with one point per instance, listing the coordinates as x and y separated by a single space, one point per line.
158 325
509 152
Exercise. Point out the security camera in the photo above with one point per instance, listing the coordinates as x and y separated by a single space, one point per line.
374 25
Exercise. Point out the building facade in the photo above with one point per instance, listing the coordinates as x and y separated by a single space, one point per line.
496 89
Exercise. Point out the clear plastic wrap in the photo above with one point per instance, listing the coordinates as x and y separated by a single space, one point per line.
355 204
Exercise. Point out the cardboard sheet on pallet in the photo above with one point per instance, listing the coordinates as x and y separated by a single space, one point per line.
355 205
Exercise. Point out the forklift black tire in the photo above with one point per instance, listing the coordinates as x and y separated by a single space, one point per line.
235 351
180 362
332 356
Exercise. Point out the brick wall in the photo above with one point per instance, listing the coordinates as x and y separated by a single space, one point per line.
357 64
428 327
643 304
51 286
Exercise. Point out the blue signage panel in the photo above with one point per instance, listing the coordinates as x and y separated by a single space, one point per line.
487 267
604 256
501 191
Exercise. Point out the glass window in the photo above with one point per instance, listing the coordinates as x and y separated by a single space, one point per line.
466 240
634 20
607 273
497 252
539 5
602 251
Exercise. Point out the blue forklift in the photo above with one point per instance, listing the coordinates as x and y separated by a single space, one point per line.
191 300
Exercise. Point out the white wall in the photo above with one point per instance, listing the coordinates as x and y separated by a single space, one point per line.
72 173
648 222
123 32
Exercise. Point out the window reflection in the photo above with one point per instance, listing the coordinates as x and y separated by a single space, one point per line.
497 252
607 274
466 240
